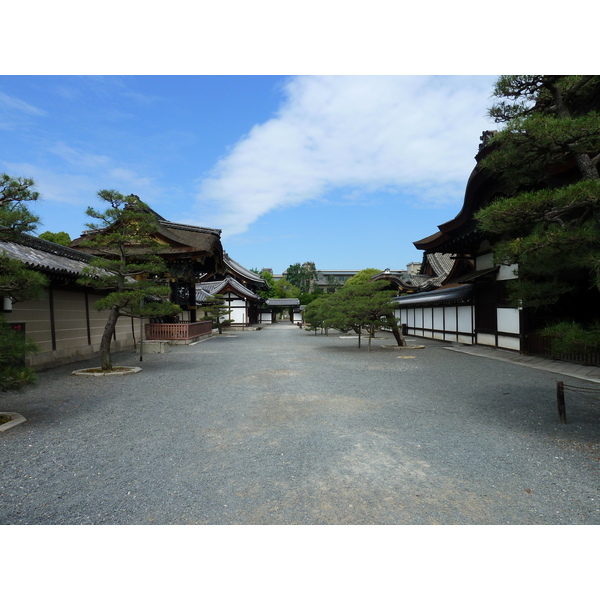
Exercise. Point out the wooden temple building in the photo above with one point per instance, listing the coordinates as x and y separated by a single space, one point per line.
240 289
190 253
63 322
467 301
66 326
276 306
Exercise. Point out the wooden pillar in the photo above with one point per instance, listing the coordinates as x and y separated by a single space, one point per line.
192 301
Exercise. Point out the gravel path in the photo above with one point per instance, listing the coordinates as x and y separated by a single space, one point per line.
281 426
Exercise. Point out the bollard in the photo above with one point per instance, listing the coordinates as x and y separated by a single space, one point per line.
560 401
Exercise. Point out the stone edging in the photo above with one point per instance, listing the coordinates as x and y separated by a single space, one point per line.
15 419
89 373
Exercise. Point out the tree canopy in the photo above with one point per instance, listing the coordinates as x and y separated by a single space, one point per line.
15 216
218 311
363 305
62 237
125 264
548 154
303 276
362 276
17 282
283 288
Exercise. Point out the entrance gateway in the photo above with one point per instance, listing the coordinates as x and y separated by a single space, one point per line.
268 313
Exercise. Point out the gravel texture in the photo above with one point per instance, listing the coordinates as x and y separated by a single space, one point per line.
282 426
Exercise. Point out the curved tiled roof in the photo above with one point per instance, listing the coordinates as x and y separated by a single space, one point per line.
236 269
460 294
441 265
204 291
46 256
180 240
283 302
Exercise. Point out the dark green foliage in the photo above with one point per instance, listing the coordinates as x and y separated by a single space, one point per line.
126 266
573 338
302 276
15 216
216 310
548 155
362 306
316 312
14 347
310 297
17 282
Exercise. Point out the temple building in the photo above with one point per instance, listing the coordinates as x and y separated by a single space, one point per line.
190 253
63 322
467 304
240 289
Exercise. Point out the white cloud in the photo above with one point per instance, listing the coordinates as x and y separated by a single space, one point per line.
16 104
79 158
413 135
62 187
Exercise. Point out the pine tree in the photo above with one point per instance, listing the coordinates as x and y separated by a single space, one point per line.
216 310
125 265
548 157
362 276
360 306
17 282
15 216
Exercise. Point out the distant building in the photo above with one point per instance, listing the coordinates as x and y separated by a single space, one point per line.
336 278
240 289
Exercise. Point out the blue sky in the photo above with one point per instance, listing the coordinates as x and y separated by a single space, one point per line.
346 171
323 132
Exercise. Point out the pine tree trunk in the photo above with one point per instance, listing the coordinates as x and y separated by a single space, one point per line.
109 331
396 331
586 166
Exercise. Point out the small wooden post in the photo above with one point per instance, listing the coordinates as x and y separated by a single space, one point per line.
560 401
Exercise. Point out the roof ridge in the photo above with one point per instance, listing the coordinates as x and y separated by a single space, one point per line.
38 243
185 227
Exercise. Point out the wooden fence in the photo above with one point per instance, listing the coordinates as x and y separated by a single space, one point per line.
539 345
177 331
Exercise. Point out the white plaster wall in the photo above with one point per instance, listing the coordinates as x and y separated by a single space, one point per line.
238 315
450 317
428 318
509 343
465 319
508 320
486 339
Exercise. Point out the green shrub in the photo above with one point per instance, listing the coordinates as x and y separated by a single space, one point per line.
573 338
14 374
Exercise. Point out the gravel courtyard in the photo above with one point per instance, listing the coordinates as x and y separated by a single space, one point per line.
281 426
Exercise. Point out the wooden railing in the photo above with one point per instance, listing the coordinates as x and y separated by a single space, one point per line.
177 331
